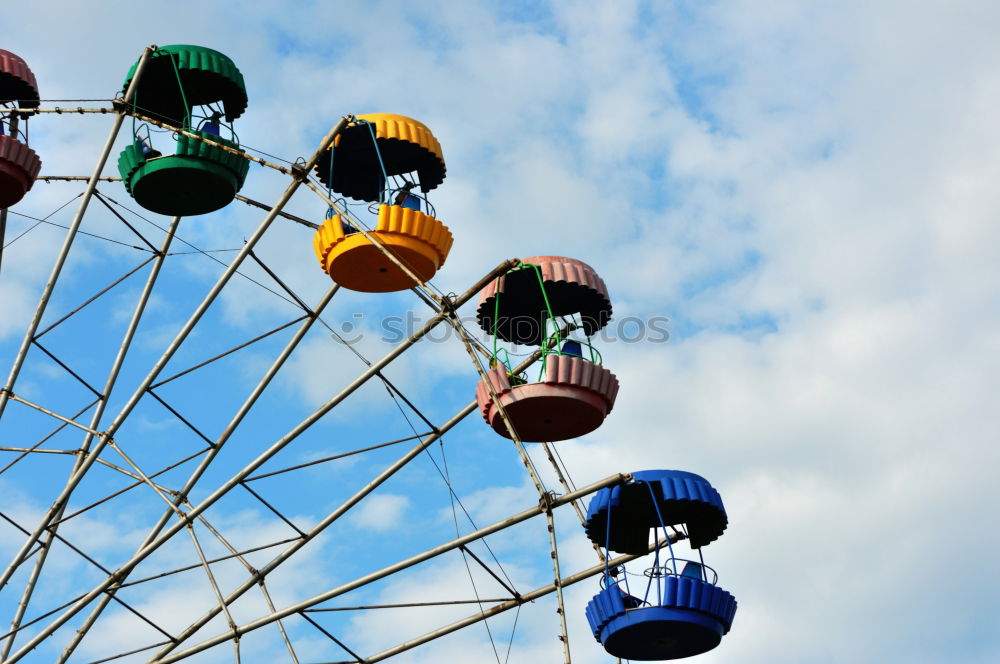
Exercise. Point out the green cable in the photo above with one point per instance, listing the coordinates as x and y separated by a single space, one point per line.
545 296
134 105
595 355
187 108
496 317
548 308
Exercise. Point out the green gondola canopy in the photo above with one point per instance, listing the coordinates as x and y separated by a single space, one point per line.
195 74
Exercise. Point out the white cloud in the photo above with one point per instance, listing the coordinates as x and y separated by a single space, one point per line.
381 512
828 170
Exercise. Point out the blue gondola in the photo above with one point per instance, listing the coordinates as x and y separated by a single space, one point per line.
679 497
678 610
689 617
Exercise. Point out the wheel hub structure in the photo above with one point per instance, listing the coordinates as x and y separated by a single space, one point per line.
200 460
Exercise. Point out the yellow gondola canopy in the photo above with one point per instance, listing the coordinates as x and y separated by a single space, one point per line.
417 240
353 166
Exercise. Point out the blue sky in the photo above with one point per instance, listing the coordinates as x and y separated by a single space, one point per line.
807 191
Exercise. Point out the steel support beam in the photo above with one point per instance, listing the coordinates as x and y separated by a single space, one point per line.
372 371
397 567
88 193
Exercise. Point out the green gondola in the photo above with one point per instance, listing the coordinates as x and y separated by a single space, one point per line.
198 178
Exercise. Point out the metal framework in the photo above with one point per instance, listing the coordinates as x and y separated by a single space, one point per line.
109 466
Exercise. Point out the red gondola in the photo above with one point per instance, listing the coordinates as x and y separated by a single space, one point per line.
574 393
19 165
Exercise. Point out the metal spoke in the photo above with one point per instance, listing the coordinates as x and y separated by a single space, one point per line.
164 658
48 437
498 609
216 447
371 486
262 584
115 430
404 605
68 370
15 626
231 350
357 657
336 456
104 202
138 482
56 512
43 409
29 335
298 176
92 299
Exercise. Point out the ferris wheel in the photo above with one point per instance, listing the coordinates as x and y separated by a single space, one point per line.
169 493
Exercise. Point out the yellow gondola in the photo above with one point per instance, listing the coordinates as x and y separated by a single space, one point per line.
417 240
382 158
